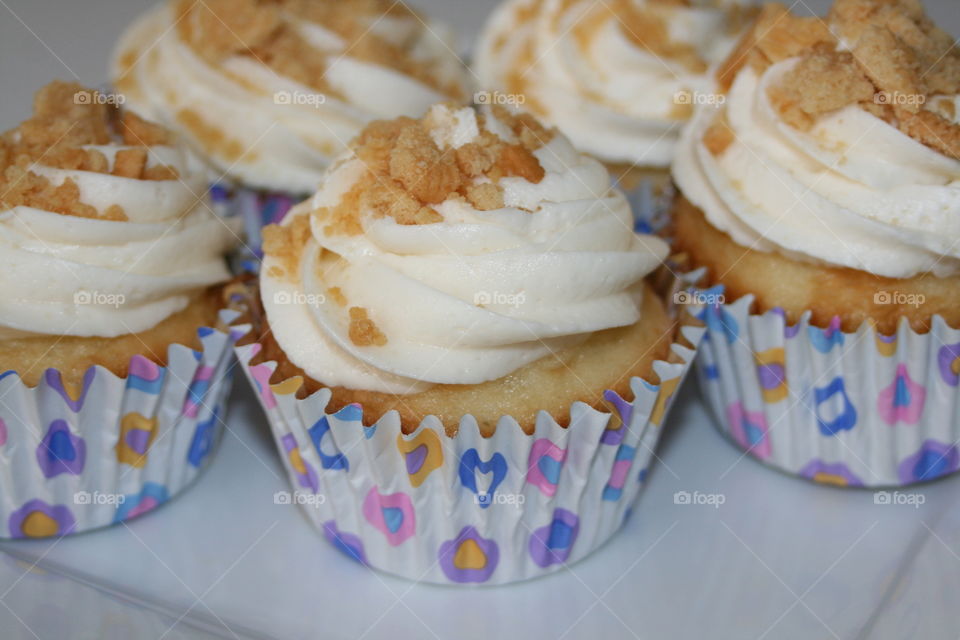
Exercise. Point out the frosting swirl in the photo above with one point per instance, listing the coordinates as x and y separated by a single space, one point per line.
618 78
268 93
101 250
845 187
486 285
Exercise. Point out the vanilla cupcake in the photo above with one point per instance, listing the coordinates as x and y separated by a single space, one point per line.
465 294
112 271
824 195
269 92
619 78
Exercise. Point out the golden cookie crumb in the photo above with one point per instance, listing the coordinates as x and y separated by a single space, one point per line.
363 332
719 136
336 294
68 119
286 242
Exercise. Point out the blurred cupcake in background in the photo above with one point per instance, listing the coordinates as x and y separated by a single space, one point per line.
618 78
824 195
268 92
460 349
113 274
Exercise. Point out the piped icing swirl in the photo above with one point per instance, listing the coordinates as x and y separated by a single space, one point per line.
452 250
619 78
270 91
838 142
104 230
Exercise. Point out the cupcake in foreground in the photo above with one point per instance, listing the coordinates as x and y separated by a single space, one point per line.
824 195
269 92
113 274
619 78
449 330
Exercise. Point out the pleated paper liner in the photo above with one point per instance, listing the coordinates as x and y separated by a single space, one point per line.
76 459
846 409
468 509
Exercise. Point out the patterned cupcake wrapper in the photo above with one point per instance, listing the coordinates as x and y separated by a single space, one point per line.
256 209
468 509
848 409
76 459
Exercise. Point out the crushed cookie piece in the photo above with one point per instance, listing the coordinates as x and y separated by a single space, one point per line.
115 212
363 331
485 197
130 163
160 172
286 242
428 173
336 294
517 160
719 136
822 81
474 160
139 132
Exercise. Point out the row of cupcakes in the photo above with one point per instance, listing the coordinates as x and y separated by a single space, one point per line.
457 339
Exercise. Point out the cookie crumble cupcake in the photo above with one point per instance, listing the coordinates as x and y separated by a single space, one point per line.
458 297
112 343
823 195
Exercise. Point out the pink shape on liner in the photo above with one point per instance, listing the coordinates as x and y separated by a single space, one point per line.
373 506
540 449
888 405
261 373
144 368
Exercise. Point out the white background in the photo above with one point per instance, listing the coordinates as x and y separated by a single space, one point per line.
781 558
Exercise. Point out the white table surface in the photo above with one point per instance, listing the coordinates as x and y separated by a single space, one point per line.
780 558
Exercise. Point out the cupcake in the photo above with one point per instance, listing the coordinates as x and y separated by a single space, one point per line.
269 92
460 352
113 268
619 78
824 195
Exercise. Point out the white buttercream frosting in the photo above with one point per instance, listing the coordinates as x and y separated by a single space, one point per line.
281 133
853 191
74 276
470 298
613 96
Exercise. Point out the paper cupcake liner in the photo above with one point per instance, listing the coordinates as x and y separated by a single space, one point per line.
467 509
75 459
849 409
257 209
